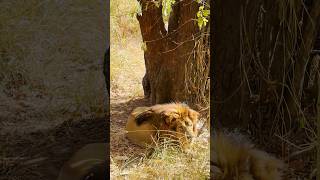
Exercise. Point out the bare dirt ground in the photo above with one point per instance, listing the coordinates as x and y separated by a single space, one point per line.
127 71
121 149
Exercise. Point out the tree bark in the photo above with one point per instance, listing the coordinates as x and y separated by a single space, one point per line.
167 51
226 72
318 129
259 60
105 68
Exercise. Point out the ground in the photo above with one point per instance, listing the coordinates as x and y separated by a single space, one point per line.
41 154
127 69
126 94
52 91
128 160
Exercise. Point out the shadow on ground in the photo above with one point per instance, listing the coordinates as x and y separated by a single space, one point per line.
120 111
121 149
40 155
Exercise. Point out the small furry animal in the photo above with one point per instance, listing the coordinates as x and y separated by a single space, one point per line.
89 163
146 124
235 158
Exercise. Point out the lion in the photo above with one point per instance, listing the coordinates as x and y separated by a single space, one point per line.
89 163
146 125
235 158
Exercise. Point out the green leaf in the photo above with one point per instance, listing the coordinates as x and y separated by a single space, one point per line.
199 14
202 15
167 7
206 13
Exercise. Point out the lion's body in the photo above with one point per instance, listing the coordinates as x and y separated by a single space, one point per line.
88 163
235 158
139 134
145 124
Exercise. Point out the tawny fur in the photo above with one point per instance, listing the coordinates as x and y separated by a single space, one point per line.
88 163
145 124
235 158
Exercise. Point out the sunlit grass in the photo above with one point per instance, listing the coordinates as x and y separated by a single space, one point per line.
124 24
166 162
126 61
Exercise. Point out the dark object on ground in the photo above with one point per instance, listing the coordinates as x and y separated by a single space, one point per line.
146 86
88 163
106 68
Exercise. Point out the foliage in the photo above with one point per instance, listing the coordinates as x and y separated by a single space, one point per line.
167 8
202 16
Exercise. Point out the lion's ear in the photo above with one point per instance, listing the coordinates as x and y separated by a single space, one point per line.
143 116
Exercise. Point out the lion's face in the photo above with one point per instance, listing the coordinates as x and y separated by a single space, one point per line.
182 121
186 127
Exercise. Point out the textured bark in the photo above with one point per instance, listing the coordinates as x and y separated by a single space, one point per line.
318 124
105 68
167 52
225 67
260 58
153 31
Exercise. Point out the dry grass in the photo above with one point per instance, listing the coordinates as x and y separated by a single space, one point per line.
291 108
127 70
50 58
166 161
127 63
123 20
51 55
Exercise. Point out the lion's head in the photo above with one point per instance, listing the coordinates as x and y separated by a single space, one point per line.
179 118
175 119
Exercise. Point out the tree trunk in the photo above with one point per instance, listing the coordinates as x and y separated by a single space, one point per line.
167 51
261 49
226 71
318 125
106 66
